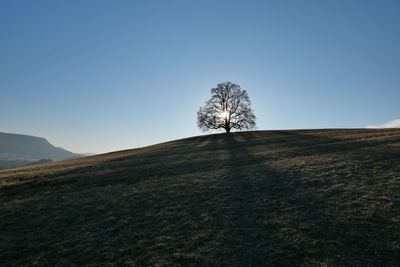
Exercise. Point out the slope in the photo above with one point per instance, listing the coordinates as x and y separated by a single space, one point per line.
265 198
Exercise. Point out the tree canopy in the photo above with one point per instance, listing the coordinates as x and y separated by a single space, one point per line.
228 108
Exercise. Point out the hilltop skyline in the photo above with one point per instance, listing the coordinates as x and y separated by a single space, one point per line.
100 76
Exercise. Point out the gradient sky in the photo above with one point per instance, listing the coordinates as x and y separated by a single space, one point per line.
97 76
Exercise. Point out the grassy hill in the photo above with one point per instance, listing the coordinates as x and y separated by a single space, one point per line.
264 198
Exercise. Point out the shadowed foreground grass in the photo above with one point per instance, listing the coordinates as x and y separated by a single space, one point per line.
268 198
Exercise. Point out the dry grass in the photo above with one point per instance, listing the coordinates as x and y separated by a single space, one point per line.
270 198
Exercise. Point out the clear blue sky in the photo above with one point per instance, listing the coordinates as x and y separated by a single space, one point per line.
97 76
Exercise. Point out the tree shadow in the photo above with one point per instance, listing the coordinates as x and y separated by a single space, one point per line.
276 217
254 211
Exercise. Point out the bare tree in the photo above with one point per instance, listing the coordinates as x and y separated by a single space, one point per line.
228 108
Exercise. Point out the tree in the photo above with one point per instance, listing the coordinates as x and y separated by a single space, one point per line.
228 108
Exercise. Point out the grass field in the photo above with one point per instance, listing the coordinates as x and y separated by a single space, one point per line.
264 198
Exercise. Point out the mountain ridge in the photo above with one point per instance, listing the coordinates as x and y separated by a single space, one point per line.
19 150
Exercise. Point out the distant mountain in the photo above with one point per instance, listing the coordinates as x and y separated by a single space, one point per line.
19 150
